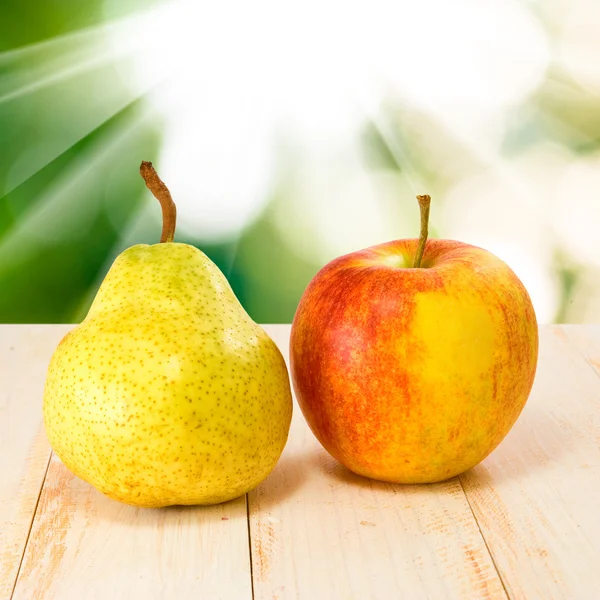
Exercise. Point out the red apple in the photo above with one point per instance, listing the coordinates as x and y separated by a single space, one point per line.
413 370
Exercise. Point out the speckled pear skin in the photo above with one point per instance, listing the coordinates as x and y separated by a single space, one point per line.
168 393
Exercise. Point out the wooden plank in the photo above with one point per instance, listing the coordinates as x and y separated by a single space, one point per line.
536 496
319 531
84 545
25 351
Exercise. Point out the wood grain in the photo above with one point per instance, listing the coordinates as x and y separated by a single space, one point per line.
84 545
536 496
319 531
25 351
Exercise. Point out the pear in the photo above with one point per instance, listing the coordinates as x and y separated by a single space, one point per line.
167 393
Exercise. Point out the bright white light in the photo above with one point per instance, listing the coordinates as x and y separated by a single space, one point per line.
464 60
218 170
486 204
230 77
579 44
216 154
576 215
234 75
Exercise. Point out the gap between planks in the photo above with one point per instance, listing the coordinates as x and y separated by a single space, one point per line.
33 515
250 560
462 487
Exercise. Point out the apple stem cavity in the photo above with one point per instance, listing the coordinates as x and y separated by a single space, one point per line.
161 192
424 202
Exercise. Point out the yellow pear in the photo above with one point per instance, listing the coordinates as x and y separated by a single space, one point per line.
167 393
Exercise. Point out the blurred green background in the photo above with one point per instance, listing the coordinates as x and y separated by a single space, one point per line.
292 134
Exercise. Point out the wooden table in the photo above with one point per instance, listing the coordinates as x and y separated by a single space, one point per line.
523 524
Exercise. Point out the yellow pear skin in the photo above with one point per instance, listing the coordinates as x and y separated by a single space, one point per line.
168 393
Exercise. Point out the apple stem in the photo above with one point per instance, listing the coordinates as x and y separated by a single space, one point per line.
161 192
424 202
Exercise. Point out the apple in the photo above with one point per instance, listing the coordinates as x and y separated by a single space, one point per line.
411 360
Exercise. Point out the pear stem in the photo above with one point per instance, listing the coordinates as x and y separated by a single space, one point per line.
424 202
161 192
